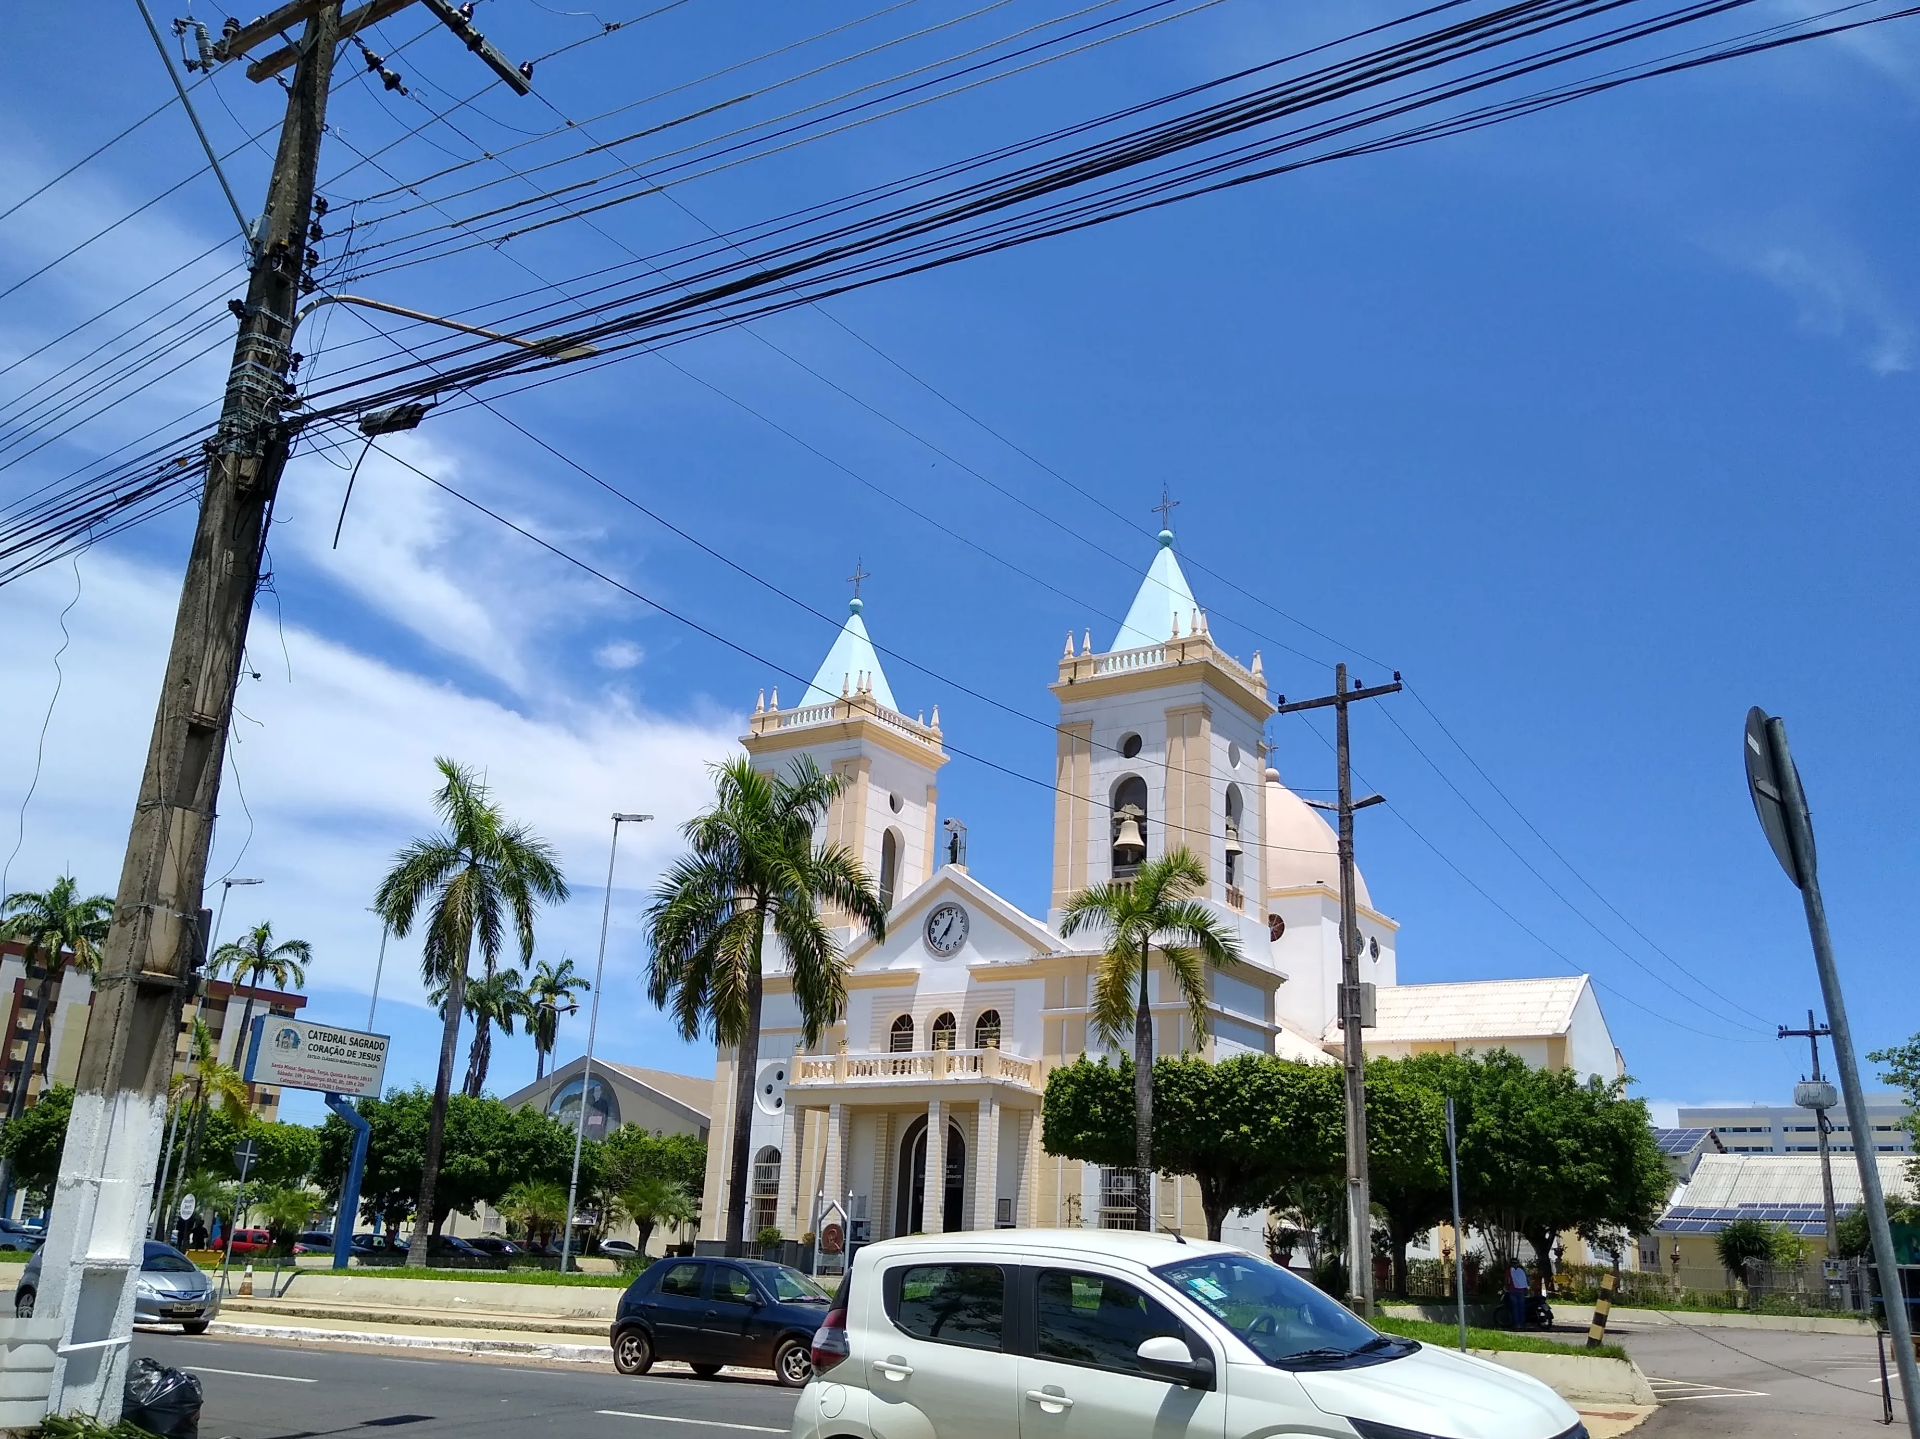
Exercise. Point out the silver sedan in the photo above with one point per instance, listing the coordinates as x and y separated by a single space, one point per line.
171 1290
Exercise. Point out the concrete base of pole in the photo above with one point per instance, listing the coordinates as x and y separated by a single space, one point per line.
96 1240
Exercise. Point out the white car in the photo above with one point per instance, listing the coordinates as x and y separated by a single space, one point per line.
1107 1334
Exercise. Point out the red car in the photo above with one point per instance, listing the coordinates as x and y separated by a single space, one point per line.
249 1242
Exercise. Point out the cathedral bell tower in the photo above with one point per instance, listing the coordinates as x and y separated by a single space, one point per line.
848 722
1161 744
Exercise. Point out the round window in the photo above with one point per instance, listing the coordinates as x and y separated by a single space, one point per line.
895 803
1233 754
1129 746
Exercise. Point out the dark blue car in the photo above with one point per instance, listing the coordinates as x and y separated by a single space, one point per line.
716 1312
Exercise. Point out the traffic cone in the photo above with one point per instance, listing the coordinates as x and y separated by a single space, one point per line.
246 1283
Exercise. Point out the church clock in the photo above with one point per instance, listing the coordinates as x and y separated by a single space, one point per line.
947 930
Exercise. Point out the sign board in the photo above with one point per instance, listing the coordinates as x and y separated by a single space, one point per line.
244 1154
299 1054
1763 783
187 1205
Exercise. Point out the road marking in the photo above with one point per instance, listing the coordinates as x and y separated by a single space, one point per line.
247 1374
678 1419
1668 1390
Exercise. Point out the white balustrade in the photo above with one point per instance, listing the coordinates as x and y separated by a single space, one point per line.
912 1066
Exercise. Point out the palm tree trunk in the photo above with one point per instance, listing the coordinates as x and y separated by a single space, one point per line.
437 1116
746 1062
1143 1101
479 1056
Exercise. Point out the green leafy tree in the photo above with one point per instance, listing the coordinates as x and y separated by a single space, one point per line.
1242 1128
1743 1242
209 1085
753 866
476 878
553 990
255 957
30 1142
1406 1156
282 1209
489 1148
285 1155
493 1001
1900 1066
1154 910
57 927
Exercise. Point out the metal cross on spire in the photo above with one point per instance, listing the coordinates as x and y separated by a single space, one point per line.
1165 508
859 574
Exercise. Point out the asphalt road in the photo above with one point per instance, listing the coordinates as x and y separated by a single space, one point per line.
263 1390
1760 1384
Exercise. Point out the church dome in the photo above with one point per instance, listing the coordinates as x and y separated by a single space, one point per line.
1302 849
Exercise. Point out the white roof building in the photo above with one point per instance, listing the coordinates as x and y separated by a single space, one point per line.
1550 1023
1778 1188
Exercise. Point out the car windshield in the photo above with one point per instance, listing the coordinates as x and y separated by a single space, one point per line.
790 1286
1284 1320
162 1260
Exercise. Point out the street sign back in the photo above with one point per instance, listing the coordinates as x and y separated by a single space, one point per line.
1763 784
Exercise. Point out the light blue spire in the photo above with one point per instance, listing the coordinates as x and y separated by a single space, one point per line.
850 662
1165 598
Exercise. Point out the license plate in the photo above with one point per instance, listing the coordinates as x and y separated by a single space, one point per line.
182 1310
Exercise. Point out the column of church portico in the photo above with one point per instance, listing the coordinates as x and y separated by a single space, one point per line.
879 1211
986 1164
793 1125
1029 1187
934 1191
833 1168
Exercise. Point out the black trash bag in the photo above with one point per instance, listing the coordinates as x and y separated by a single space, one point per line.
162 1401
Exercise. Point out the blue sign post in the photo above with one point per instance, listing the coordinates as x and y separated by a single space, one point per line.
349 1210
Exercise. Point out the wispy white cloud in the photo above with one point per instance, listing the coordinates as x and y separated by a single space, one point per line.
1836 298
618 655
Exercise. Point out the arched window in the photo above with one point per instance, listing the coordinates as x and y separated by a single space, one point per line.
1235 811
766 1189
986 1030
944 1031
889 867
1129 833
900 1037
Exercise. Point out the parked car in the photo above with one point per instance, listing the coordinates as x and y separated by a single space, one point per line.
1123 1336
17 1236
247 1243
716 1312
445 1246
171 1290
368 1243
313 1241
618 1249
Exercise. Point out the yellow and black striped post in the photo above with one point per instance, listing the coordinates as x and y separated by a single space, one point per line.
1597 1331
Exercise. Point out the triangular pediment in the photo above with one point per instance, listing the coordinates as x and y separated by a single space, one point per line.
997 931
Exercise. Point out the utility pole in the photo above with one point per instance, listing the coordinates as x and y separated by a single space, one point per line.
1355 1004
1819 1096
158 941
1773 780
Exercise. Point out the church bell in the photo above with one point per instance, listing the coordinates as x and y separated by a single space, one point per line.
1233 840
1129 845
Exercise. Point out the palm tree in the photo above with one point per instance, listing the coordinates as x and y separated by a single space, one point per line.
537 1206
550 993
1154 910
754 865
50 924
495 999
475 877
651 1201
212 1083
254 957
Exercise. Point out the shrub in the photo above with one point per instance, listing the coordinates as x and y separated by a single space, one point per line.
768 1237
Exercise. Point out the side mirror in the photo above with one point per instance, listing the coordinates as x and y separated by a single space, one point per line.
1171 1359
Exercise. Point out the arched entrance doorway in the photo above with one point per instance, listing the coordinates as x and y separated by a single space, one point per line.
910 1208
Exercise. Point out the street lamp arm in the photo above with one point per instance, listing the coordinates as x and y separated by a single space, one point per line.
556 346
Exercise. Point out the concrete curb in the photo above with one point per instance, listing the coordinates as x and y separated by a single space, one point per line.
1718 1319
524 1323
522 1348
1577 1378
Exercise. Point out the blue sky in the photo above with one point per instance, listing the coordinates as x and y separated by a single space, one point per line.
1599 426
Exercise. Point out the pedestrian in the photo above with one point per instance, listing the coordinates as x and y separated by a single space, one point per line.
199 1232
1519 1287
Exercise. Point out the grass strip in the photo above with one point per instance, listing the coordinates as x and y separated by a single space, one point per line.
1447 1336
487 1276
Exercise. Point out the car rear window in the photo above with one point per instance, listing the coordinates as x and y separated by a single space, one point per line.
682 1281
962 1304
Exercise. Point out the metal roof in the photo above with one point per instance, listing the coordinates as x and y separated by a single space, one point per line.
1474 1010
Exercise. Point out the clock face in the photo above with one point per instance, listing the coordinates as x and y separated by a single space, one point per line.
947 930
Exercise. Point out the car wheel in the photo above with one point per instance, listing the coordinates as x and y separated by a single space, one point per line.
23 1304
793 1364
633 1352
706 1371
199 1326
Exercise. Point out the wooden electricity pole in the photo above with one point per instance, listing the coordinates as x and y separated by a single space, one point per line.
91 1260
1355 1004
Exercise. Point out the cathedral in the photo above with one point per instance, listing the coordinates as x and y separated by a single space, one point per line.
952 1023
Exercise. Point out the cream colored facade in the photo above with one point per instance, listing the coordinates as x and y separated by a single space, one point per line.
953 1022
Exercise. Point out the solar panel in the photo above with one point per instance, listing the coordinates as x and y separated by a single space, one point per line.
1710 1219
1679 1141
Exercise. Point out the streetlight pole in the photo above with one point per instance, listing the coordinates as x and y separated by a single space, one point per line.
378 965
226 888
593 1028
